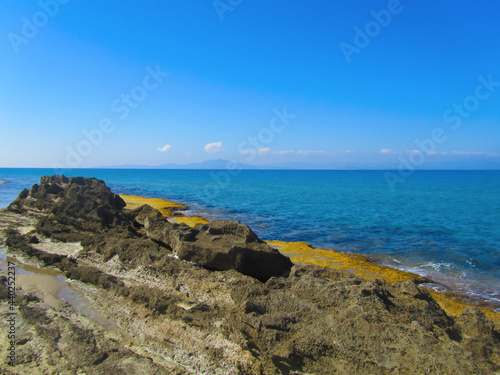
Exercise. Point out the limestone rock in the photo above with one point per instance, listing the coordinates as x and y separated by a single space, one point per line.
221 245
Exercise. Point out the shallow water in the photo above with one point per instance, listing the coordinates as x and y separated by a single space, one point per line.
51 286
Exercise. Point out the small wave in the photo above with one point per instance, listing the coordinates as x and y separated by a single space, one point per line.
443 280
438 266
436 287
395 260
470 263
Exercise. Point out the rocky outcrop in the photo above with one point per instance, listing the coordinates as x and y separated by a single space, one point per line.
77 197
71 206
85 209
215 299
220 245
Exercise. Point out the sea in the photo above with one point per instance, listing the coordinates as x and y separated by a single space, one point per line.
441 224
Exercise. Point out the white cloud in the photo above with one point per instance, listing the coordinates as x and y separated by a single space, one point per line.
252 151
212 148
463 153
308 152
474 153
387 151
284 152
467 153
441 153
164 148
437 153
312 152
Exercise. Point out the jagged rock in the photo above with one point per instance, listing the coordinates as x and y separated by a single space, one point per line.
77 206
220 245
71 203
140 214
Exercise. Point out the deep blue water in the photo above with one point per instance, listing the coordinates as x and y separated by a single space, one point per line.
443 224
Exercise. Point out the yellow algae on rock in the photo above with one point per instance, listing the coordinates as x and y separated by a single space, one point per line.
189 220
162 205
167 208
301 252
453 304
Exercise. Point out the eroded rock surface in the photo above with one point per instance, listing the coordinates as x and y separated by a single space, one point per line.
220 245
215 299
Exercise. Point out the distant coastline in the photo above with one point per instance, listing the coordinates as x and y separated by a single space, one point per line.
380 166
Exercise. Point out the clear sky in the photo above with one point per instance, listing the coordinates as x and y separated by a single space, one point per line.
92 83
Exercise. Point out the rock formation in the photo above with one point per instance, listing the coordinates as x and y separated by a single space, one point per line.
215 299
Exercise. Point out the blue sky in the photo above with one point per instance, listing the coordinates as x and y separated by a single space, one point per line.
372 83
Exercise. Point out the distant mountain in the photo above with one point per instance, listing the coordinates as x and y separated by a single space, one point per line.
331 166
226 164
428 165
209 164
215 164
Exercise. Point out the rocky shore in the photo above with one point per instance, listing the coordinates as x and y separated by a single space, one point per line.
211 298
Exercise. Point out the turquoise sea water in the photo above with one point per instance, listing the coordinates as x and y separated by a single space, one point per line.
442 224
